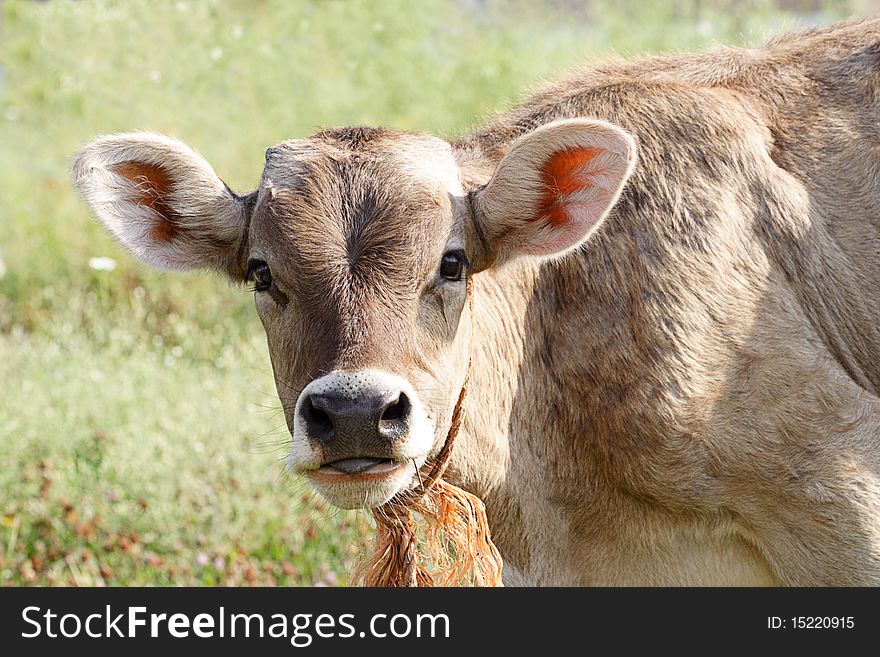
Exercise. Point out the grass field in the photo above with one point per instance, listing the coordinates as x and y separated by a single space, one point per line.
140 435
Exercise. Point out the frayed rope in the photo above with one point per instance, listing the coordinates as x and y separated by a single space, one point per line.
457 551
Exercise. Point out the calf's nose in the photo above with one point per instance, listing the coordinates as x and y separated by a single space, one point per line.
380 415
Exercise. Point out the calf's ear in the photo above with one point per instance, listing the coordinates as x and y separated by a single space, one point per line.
553 188
162 201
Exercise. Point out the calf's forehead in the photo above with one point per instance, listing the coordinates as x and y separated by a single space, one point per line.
359 196
397 157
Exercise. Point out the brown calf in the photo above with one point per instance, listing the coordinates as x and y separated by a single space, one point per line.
675 356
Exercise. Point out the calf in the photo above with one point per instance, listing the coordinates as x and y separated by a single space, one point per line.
672 327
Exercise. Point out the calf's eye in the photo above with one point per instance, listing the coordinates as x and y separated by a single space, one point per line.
259 273
452 266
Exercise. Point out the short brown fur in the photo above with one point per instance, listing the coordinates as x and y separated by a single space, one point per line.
704 376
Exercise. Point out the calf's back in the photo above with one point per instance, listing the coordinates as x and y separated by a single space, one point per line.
695 392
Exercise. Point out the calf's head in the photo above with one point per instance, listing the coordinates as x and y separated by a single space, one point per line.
359 244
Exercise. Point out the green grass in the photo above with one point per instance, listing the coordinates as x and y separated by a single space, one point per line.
140 435
129 460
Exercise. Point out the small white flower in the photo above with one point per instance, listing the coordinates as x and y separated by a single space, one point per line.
237 31
155 76
216 53
102 263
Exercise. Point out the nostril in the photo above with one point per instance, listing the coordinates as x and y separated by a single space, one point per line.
394 420
397 410
319 424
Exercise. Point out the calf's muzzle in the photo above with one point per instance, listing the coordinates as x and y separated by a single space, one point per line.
380 415
358 418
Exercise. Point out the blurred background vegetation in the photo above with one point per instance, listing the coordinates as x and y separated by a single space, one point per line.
140 436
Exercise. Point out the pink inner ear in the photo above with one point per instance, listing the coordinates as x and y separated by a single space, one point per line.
152 184
565 172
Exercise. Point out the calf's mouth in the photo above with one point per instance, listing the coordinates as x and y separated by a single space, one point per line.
357 466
